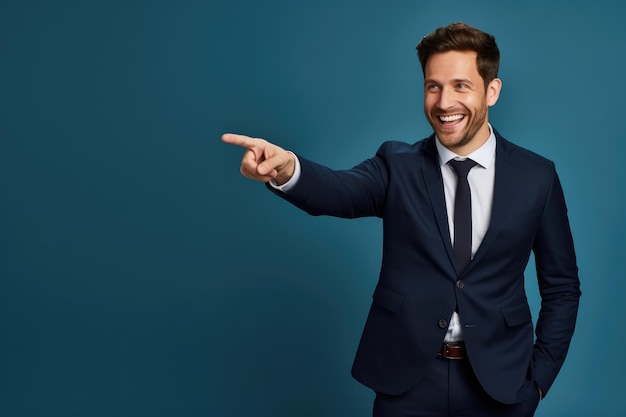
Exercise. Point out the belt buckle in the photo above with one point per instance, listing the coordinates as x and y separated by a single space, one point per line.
446 351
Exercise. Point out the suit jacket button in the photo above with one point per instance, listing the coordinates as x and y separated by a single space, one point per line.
443 324
460 284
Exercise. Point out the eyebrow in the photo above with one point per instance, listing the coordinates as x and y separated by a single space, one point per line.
454 81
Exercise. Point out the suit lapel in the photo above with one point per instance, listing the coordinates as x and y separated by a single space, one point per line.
506 178
431 171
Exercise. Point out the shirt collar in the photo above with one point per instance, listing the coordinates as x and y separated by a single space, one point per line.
483 155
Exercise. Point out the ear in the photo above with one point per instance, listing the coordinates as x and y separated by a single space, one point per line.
493 91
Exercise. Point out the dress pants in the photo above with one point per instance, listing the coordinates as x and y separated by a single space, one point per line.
451 389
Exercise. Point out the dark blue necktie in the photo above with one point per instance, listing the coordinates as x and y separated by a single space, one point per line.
462 214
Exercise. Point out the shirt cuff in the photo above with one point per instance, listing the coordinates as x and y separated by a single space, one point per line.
292 181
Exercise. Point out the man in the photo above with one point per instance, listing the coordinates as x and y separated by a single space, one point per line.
450 332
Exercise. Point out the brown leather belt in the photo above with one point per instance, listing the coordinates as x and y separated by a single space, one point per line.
452 350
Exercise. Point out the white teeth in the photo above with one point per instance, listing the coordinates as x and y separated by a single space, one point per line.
451 118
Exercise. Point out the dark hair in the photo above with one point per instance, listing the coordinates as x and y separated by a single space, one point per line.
461 37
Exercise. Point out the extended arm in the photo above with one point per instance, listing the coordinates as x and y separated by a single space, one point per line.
356 192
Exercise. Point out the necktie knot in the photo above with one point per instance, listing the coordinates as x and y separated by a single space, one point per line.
462 168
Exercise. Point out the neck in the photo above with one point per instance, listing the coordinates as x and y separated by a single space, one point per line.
476 142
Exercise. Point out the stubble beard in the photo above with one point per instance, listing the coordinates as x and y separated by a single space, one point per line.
464 137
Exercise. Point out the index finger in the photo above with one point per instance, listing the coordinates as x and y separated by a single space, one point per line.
240 140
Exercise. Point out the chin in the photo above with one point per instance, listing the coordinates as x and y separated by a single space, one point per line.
451 139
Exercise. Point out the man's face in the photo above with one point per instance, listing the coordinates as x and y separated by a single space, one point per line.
456 101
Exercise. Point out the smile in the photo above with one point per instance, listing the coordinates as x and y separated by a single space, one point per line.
451 118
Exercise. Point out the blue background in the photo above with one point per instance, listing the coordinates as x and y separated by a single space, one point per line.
141 275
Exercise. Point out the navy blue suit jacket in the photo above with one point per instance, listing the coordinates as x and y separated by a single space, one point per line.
419 286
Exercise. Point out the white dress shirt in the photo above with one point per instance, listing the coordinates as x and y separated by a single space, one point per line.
481 181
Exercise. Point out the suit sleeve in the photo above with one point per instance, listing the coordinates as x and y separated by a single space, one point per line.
559 287
356 192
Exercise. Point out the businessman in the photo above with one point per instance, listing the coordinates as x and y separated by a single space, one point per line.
450 331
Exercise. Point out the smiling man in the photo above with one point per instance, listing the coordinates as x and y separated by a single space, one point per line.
450 332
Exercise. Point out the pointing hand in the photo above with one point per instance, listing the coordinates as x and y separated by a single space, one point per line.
263 161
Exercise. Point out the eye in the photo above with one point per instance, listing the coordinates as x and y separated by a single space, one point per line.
432 87
462 86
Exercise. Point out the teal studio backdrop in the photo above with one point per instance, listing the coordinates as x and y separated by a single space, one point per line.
142 275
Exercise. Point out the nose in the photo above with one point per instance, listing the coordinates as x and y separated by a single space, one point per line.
446 99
